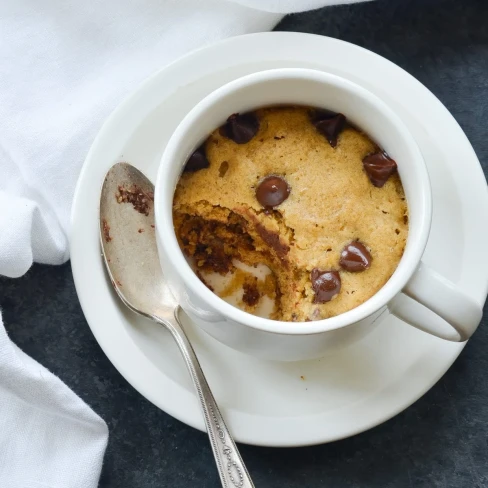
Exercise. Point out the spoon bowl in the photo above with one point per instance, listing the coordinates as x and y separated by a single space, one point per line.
129 243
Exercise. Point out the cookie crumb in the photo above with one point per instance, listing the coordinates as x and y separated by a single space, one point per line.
251 294
106 231
140 200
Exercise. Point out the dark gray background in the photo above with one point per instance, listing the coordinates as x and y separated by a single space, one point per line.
441 441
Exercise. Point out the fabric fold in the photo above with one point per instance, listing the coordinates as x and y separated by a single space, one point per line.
48 436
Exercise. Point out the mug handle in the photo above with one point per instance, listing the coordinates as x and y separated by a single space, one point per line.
432 290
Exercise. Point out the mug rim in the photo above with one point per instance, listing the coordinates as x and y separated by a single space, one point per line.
164 223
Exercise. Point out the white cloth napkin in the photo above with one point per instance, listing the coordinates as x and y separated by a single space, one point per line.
49 438
64 66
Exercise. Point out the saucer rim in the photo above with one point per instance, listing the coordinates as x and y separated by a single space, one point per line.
171 387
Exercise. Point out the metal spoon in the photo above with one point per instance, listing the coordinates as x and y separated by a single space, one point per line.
131 257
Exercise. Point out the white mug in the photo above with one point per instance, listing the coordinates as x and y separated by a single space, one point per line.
457 314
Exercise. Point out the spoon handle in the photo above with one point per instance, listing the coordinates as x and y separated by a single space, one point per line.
232 471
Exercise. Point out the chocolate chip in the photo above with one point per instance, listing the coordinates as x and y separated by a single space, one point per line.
329 124
355 257
240 128
318 114
379 167
197 161
272 191
325 284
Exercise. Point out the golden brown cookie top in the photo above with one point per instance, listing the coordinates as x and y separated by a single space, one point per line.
331 199
315 191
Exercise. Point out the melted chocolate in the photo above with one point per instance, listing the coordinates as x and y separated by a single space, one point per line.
379 167
355 257
329 124
272 191
240 128
197 161
325 284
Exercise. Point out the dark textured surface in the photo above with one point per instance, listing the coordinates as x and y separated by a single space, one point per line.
441 441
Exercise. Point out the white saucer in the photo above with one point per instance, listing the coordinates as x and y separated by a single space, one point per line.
270 403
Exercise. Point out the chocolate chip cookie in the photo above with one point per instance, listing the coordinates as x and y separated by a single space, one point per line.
305 193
